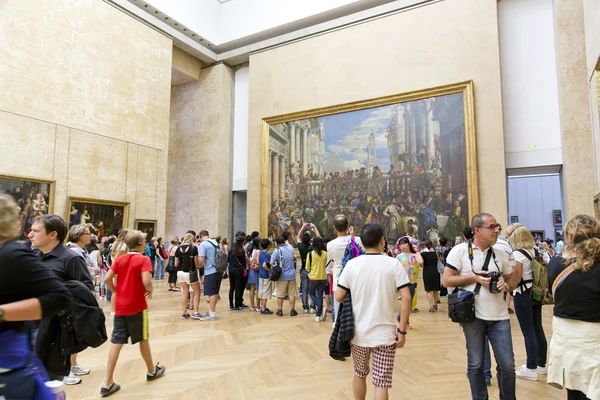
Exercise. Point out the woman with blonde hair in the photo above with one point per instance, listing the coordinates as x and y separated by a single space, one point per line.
575 282
186 262
529 311
171 269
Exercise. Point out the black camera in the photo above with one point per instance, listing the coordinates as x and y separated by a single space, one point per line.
494 276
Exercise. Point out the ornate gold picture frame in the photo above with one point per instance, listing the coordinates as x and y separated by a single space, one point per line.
105 217
33 196
428 134
597 205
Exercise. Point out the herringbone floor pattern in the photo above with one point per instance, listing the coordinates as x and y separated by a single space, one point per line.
247 355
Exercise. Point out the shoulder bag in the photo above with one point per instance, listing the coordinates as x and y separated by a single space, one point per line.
461 303
193 270
276 268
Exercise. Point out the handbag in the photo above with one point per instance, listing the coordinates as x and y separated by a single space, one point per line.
193 271
276 270
461 303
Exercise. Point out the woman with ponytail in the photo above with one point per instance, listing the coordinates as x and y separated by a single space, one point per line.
575 283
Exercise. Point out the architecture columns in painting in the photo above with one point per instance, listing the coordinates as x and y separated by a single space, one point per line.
282 175
275 177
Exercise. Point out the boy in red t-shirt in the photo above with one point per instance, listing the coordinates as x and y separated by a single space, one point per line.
131 319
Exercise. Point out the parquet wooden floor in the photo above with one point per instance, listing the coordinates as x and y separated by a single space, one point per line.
247 355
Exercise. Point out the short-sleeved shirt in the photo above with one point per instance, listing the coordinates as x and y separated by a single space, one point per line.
578 296
527 268
373 280
209 252
263 257
488 306
289 267
130 286
185 257
303 250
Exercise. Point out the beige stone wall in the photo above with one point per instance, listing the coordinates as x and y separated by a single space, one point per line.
591 10
85 102
592 33
200 143
442 43
579 178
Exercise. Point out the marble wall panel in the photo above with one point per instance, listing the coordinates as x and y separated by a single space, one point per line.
61 170
87 65
145 198
131 190
28 146
97 167
579 176
199 175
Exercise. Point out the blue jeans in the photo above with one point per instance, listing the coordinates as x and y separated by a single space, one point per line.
160 269
499 335
529 315
316 289
304 288
487 362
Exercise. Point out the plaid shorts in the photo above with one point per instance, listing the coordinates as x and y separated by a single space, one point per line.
383 363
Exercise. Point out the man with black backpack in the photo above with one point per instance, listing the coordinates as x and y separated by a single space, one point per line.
481 272
207 252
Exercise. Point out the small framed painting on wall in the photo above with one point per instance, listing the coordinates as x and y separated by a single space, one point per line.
538 235
597 205
146 226
513 219
557 217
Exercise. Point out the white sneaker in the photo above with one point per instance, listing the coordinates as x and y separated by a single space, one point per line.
71 379
525 373
79 370
312 311
317 318
542 370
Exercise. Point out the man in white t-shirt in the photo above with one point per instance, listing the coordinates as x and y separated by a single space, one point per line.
335 253
464 269
373 280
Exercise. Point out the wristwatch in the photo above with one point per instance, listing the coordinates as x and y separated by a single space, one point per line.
399 331
1 315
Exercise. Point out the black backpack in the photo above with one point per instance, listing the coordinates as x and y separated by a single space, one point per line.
276 268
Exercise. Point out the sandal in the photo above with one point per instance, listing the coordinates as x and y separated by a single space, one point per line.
107 391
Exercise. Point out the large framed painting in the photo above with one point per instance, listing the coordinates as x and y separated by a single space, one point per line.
146 226
105 218
406 161
33 196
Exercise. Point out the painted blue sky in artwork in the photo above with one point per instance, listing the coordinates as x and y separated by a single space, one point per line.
347 138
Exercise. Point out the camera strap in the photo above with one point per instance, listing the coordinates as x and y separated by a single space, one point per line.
485 264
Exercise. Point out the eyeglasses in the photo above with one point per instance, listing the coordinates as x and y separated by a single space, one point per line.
491 227
86 233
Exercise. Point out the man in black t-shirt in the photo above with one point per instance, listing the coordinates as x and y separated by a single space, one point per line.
303 240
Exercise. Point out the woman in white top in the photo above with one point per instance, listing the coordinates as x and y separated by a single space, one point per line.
529 312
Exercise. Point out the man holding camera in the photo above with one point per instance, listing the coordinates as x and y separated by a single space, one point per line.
475 266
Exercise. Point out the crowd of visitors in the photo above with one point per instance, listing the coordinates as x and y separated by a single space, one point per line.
354 279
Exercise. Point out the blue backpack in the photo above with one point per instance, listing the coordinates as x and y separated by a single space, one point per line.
353 250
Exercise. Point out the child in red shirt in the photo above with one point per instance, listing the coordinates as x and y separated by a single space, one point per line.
131 311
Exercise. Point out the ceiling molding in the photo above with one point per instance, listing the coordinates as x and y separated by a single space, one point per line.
238 51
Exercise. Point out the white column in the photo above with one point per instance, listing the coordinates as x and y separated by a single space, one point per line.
275 184
429 139
305 159
282 174
293 142
297 149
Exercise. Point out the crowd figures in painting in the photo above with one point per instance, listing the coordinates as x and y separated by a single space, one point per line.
102 219
401 165
32 198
